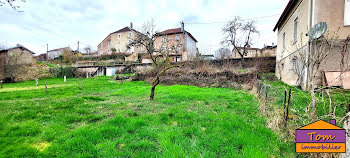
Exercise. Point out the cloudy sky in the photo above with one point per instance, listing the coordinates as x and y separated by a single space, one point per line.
61 23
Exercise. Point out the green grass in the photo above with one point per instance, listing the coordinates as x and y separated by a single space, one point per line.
109 119
301 99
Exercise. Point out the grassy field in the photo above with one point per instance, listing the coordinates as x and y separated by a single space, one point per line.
109 119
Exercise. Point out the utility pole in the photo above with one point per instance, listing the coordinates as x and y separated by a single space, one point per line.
78 47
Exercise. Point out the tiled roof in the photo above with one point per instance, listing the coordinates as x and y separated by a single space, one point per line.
175 31
125 29
17 46
60 49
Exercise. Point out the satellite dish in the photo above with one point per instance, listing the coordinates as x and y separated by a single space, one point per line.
318 30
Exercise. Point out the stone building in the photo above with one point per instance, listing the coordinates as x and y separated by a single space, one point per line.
116 42
13 61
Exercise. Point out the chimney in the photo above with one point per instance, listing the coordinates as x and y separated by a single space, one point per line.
333 122
273 44
131 25
182 26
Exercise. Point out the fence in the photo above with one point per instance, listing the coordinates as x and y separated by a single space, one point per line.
294 105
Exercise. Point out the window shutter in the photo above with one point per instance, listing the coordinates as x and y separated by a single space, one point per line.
347 12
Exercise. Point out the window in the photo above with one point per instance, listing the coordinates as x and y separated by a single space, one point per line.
163 39
178 37
347 13
109 44
283 41
295 30
119 36
129 35
118 43
141 49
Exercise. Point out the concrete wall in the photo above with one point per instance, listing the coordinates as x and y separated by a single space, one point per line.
309 13
170 40
54 54
191 48
332 12
188 49
300 11
15 56
2 65
251 52
103 48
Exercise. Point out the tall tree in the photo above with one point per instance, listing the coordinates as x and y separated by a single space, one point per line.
160 56
239 35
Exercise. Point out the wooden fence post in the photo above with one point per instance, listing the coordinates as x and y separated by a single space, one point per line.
80 84
45 87
266 93
36 81
284 104
287 109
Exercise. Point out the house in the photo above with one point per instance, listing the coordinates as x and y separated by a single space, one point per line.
41 57
55 53
267 51
90 54
292 40
116 42
250 52
205 57
185 43
12 61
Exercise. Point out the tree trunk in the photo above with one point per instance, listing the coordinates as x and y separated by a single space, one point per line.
242 61
36 82
155 83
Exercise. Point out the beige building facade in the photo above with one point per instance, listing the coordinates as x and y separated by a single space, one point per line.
116 42
293 43
267 51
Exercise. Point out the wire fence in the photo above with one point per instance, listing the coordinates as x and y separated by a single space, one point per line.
295 105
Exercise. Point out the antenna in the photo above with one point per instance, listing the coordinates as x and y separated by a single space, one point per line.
318 30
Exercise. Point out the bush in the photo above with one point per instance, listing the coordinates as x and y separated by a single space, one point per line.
63 71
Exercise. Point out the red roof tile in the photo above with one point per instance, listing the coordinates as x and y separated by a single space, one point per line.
175 31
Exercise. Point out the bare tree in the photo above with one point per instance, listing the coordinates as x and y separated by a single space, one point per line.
87 50
11 3
2 46
160 56
223 53
238 34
